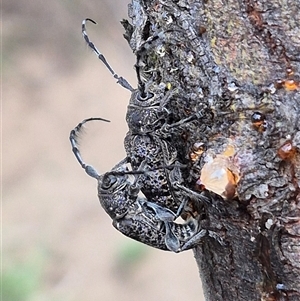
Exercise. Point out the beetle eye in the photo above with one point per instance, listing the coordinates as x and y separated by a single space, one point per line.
144 96
108 181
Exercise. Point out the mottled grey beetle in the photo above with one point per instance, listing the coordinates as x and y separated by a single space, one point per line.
144 193
147 143
132 213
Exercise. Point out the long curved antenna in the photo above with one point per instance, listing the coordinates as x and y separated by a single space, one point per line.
90 170
120 80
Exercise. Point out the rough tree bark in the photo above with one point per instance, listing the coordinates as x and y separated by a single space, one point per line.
236 65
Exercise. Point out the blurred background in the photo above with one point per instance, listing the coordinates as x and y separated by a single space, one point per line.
58 243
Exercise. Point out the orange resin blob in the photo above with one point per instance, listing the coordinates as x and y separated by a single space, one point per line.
219 176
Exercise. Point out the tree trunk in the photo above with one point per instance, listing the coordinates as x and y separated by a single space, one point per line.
234 65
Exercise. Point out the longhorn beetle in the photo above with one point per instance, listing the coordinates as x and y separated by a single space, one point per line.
132 213
147 143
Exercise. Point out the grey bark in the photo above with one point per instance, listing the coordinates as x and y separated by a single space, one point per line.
226 61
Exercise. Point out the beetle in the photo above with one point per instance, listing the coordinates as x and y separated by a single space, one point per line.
148 143
132 213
